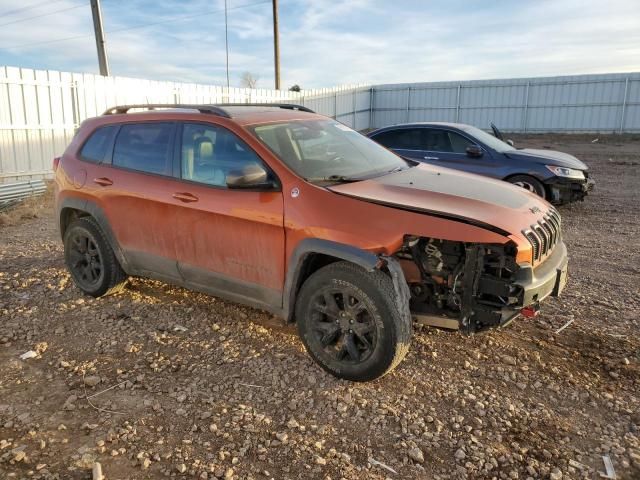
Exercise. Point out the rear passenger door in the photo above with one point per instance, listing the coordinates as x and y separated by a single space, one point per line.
406 142
135 186
229 241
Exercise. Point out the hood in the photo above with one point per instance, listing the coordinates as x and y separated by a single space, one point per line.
547 157
492 204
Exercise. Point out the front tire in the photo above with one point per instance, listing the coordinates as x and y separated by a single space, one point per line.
349 322
529 183
90 260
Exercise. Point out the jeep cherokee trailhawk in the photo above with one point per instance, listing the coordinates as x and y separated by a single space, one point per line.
285 210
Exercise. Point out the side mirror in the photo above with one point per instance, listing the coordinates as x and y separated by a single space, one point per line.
474 151
510 142
251 176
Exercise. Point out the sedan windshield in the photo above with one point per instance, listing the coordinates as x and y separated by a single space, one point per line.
488 139
327 151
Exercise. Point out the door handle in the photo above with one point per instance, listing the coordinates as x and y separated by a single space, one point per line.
185 197
431 158
103 181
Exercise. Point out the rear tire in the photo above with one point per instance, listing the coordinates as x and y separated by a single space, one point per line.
529 183
90 260
349 322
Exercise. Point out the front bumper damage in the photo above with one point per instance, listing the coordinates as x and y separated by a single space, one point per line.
547 279
491 301
564 190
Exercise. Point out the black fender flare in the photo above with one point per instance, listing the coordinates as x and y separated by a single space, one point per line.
92 209
367 260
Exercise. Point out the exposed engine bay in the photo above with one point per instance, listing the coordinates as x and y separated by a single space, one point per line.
470 284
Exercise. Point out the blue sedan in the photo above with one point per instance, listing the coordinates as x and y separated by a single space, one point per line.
556 176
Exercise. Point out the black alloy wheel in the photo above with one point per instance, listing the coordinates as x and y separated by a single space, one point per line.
85 261
350 322
90 259
343 325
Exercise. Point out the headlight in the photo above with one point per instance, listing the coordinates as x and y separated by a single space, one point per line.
566 172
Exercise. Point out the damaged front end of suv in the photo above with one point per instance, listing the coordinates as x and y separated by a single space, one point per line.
472 287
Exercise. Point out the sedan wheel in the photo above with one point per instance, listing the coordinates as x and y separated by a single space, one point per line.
529 183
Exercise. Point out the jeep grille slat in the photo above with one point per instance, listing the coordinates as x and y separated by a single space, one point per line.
535 244
544 235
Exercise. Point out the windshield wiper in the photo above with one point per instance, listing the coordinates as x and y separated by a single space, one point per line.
347 179
333 178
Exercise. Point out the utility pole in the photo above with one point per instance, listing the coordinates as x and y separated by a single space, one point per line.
100 43
276 44
226 41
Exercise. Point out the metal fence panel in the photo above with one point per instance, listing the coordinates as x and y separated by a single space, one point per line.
578 103
39 110
382 118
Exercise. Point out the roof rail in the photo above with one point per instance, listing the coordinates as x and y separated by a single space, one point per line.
213 109
218 109
288 106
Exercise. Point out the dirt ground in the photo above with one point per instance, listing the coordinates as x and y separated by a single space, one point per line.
161 382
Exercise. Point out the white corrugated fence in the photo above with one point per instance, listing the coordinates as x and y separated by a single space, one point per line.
39 110
607 103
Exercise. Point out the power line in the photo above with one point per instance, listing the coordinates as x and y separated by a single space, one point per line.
42 15
18 10
186 17
48 41
135 27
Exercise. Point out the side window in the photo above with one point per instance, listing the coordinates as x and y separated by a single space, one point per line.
209 153
459 143
404 138
99 144
437 140
145 147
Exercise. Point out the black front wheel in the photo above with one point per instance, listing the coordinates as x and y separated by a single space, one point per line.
349 322
90 259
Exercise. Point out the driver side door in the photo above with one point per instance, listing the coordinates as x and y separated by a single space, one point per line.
448 148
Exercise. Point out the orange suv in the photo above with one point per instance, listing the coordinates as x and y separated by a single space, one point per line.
289 211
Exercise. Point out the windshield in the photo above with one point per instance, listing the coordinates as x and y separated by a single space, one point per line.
489 140
327 151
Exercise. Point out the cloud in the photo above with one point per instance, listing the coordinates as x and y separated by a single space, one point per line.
324 43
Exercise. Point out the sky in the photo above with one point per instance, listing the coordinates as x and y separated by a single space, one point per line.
327 42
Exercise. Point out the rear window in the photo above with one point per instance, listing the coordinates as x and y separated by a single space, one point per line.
99 144
145 147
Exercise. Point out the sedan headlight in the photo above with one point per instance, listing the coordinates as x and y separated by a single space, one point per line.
566 172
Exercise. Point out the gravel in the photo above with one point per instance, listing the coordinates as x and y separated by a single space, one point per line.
183 385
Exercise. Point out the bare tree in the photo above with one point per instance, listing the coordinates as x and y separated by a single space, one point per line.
249 80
